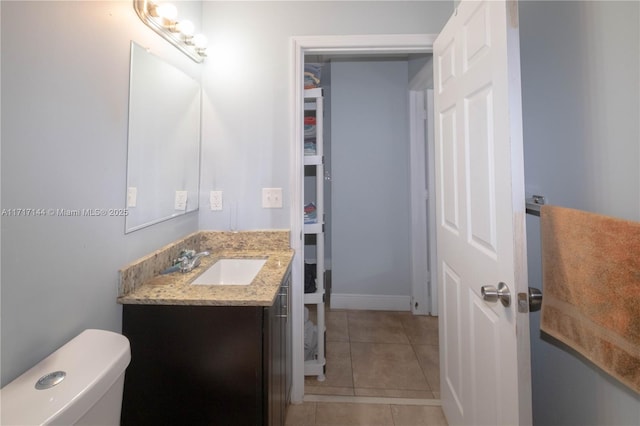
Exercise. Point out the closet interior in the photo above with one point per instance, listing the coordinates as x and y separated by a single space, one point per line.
315 289
357 198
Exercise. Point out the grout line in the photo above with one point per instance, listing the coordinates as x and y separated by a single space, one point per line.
372 400
353 378
424 373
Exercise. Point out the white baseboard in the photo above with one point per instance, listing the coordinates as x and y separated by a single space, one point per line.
371 302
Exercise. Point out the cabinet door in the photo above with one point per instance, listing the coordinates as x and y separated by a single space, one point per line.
193 365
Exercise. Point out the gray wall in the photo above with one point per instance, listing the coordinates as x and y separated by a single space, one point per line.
370 178
246 80
65 87
581 91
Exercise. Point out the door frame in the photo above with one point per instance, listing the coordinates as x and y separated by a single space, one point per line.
424 298
321 45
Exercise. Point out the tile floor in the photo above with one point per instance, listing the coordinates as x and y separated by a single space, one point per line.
373 357
362 414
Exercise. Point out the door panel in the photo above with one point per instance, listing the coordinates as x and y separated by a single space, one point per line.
479 149
476 37
485 362
451 356
479 177
449 166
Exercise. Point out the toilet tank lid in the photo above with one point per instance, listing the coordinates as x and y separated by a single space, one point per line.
93 361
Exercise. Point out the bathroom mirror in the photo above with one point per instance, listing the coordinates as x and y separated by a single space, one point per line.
163 159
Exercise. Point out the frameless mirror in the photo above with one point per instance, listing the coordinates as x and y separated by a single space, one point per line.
163 159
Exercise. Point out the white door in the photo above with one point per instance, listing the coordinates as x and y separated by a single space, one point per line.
484 359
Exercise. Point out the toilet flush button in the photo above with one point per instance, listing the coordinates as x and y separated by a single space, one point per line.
50 380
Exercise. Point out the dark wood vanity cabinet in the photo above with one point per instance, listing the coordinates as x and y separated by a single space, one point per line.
208 365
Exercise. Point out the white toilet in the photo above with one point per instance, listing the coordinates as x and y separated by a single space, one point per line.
79 384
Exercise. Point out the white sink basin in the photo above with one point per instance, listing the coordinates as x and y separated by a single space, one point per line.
231 272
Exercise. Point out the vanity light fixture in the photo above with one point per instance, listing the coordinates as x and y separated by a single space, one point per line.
163 19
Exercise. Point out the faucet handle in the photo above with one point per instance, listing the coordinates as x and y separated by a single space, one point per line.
185 264
181 260
187 253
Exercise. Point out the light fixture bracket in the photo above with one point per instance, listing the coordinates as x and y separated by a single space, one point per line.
142 8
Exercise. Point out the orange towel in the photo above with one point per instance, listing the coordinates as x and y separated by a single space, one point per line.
591 288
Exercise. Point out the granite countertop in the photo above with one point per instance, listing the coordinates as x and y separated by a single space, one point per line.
176 289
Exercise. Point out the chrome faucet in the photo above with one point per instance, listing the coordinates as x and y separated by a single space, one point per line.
188 263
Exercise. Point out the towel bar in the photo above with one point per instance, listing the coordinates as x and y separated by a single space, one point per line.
534 203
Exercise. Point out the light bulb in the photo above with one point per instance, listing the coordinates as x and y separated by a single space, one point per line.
200 41
186 28
152 8
167 11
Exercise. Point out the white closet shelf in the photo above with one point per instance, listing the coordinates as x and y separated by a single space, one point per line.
312 160
314 298
314 367
313 228
313 93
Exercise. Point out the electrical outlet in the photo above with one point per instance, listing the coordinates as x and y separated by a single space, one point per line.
181 200
272 198
132 196
215 199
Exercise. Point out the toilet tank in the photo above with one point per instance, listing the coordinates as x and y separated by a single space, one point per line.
89 393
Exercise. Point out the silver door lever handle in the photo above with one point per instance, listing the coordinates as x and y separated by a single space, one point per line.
492 294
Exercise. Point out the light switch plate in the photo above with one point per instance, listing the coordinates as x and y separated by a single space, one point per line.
272 198
132 196
215 200
181 200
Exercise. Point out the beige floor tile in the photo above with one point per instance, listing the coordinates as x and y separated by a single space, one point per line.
375 326
417 415
392 354
386 366
337 326
394 393
301 414
429 359
421 329
347 414
338 372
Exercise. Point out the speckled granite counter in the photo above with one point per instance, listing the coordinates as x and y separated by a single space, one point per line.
141 282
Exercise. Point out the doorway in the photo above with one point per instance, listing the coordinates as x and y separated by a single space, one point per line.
301 46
